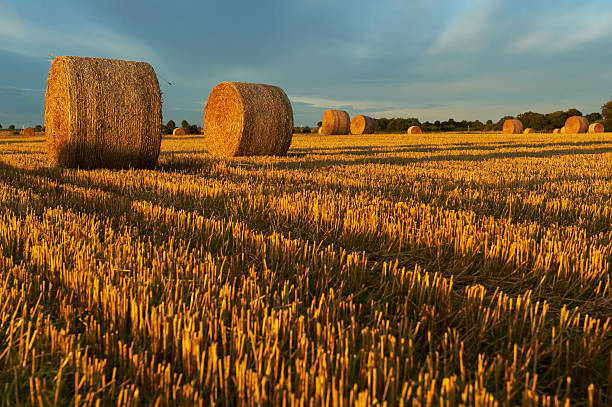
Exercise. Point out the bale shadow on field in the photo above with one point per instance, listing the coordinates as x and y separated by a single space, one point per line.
330 162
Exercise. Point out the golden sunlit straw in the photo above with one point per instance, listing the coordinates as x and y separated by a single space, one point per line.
102 113
361 124
245 119
335 122
576 125
414 130
513 126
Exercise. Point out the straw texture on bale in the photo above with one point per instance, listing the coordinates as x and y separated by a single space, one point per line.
336 122
576 125
361 124
562 131
414 130
246 119
102 113
513 126
178 132
28 132
596 128
529 130
556 131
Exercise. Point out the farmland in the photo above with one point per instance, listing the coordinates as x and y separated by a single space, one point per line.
391 269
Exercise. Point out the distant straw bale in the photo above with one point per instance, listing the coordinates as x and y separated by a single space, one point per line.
414 130
28 132
320 130
102 113
596 128
513 126
361 124
178 132
529 130
247 119
336 122
576 125
556 131
562 131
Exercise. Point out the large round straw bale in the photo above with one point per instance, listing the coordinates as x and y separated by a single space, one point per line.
28 132
556 131
336 122
596 128
102 113
414 130
361 124
529 130
320 130
576 124
244 119
562 131
513 126
178 132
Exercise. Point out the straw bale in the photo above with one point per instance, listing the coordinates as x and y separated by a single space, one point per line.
246 119
414 130
28 132
576 125
596 128
336 122
361 124
513 126
102 113
556 131
529 130
178 132
562 131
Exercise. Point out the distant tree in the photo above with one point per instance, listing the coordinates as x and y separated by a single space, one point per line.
477 126
306 129
38 128
193 129
606 110
594 117
534 120
185 125
171 124
573 112
11 127
319 124
607 125
557 119
381 124
0 126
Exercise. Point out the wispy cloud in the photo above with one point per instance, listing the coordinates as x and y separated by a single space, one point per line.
24 37
325 103
553 33
470 29
16 91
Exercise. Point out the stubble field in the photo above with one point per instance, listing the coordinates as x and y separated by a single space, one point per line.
389 269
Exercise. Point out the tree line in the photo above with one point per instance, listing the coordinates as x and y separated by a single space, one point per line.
538 121
169 127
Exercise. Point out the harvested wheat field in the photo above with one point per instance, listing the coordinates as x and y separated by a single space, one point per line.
388 270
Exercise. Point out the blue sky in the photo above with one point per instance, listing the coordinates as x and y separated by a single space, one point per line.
431 59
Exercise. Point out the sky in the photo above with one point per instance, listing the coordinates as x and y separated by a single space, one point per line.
429 59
